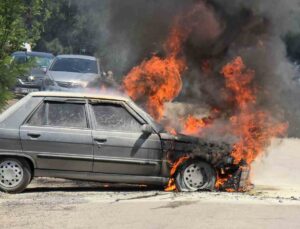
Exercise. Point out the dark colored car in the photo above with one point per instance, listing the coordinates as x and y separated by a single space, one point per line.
32 81
95 137
69 72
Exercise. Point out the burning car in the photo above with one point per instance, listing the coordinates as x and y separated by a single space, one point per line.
102 138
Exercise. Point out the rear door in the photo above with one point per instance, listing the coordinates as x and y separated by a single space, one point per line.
120 146
58 135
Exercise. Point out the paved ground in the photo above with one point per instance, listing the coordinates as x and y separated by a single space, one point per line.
56 203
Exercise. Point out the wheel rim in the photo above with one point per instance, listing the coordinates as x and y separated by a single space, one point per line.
11 174
195 176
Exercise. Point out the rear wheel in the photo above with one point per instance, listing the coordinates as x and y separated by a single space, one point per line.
15 175
195 175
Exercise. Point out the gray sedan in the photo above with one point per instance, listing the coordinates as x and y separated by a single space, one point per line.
69 72
94 137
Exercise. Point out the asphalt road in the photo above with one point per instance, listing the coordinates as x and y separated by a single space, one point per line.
53 203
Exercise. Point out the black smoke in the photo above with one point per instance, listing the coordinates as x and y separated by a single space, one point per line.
127 32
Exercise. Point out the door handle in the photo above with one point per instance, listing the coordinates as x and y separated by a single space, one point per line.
100 141
33 135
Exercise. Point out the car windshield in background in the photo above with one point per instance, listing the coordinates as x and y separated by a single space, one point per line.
41 61
38 61
74 65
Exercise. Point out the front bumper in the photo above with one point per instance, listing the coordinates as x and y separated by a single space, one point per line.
25 87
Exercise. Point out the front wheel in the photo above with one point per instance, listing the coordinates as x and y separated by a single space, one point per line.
195 175
15 175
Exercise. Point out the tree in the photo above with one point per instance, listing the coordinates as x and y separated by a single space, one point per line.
21 21
66 30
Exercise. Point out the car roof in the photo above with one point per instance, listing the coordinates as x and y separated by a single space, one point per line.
44 54
76 56
80 95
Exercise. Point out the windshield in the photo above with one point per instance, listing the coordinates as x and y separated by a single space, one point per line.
74 65
41 61
158 128
38 61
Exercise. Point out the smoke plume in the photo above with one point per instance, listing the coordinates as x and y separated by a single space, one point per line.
130 32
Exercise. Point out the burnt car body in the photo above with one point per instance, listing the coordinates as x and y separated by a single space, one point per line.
99 138
32 81
69 72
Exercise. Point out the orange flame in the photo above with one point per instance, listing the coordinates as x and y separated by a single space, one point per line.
159 79
171 184
253 126
193 125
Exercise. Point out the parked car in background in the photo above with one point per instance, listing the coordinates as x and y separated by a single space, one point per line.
32 81
94 137
69 72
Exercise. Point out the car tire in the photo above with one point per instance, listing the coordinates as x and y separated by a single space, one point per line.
15 175
195 175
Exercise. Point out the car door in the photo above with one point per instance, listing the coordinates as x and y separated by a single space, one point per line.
120 145
58 135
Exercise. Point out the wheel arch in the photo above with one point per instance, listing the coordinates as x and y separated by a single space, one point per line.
29 159
178 176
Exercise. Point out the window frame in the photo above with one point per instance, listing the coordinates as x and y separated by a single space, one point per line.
46 101
122 104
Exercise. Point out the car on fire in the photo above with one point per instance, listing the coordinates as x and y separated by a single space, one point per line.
105 138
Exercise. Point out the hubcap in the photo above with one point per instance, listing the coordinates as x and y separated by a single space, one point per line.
11 174
194 176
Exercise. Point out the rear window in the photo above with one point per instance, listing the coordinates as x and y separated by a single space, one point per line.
57 114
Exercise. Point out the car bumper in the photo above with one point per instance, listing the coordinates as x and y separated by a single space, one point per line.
25 90
24 87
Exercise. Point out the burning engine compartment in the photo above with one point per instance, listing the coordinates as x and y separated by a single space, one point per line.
230 176
203 60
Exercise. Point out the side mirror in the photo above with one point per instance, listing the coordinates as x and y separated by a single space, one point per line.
147 129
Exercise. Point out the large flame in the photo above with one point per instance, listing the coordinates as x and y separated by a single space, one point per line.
253 126
158 80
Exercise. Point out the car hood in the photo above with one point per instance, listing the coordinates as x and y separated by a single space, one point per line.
178 144
179 138
72 76
37 72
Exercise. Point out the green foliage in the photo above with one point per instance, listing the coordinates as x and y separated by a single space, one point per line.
67 30
20 22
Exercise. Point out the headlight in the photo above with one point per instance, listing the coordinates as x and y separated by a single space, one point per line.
49 82
31 78
79 84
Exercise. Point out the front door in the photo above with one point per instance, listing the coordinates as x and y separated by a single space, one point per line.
58 136
120 146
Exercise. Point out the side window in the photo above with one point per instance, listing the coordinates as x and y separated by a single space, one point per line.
39 117
58 114
20 59
114 117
